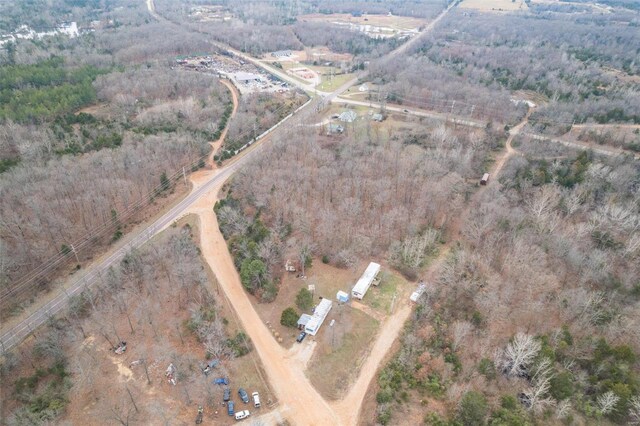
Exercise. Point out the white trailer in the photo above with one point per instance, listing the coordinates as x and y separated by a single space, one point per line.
319 314
365 281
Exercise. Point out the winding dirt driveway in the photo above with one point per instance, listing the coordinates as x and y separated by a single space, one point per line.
298 400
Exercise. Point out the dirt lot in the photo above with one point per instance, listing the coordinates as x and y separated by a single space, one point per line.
320 54
396 23
494 5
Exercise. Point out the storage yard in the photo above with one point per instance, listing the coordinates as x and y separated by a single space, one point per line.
247 77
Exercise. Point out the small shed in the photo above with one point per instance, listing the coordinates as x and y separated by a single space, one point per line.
303 321
363 88
342 296
334 129
377 117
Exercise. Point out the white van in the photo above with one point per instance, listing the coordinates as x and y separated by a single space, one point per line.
256 399
240 415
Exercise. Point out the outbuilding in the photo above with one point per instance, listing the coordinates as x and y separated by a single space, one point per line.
342 296
303 321
485 179
365 281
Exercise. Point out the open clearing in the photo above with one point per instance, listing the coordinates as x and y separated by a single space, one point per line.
494 5
341 350
327 281
394 23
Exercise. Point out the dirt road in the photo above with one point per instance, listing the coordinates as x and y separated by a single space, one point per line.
348 409
299 402
234 99
513 132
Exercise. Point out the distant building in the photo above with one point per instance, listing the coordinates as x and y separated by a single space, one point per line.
248 77
365 281
348 116
334 129
282 54
319 314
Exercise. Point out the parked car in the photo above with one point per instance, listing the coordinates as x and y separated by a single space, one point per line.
301 337
243 395
256 399
221 381
230 408
226 395
242 414
210 365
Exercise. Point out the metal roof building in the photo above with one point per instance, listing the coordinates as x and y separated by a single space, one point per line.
348 116
319 314
365 281
247 77
304 320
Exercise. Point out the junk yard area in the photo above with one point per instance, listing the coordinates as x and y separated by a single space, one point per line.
152 352
247 77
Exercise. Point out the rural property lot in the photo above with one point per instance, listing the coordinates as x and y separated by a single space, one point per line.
391 24
494 5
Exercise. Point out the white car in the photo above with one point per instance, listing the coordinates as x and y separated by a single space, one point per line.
256 399
242 414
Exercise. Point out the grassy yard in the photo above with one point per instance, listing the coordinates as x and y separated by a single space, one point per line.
330 84
380 297
341 350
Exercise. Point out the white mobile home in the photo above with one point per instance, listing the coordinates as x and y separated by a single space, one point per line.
319 314
365 281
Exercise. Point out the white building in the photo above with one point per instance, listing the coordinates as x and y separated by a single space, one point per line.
365 281
342 296
416 294
319 314
248 77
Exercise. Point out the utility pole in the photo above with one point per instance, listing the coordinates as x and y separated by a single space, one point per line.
73 249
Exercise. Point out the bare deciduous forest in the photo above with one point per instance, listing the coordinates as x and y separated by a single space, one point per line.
160 302
540 302
529 308
350 198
